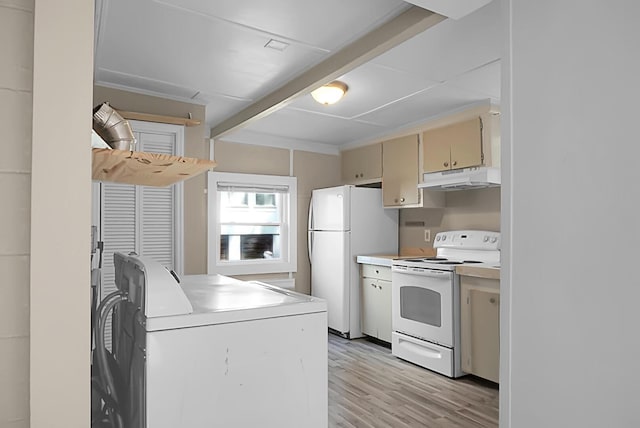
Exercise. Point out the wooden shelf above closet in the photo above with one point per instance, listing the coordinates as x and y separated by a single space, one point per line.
147 117
148 169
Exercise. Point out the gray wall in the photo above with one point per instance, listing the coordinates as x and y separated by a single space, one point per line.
570 291
45 178
16 66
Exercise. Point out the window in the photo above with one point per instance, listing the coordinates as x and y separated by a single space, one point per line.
252 223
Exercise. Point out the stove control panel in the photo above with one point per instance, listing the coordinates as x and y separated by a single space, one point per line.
468 239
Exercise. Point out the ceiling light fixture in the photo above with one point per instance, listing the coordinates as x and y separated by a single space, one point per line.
330 93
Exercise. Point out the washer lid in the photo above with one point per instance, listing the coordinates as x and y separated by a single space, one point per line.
218 299
150 286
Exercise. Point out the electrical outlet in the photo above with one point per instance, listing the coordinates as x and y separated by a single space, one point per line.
427 235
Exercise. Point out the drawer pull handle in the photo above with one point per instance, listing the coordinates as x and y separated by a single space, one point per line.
420 350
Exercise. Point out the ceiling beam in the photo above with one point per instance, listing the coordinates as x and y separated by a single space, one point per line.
451 9
390 34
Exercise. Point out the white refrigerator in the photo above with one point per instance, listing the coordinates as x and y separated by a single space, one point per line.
345 222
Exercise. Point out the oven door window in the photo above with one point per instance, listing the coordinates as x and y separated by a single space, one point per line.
421 305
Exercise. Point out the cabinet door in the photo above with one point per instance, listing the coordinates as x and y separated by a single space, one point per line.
400 171
466 144
454 146
480 319
436 150
384 310
363 164
369 306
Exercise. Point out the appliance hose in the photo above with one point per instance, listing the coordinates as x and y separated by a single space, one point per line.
106 377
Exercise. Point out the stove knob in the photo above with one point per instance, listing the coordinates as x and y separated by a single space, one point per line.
438 238
486 238
493 240
444 237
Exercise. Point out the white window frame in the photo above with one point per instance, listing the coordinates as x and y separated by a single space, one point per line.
288 261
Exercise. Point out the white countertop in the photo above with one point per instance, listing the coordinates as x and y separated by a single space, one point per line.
483 271
377 259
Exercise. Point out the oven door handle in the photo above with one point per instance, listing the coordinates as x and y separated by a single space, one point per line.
424 272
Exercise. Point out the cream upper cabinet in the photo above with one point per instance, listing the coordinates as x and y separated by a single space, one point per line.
400 171
362 165
454 146
480 326
375 285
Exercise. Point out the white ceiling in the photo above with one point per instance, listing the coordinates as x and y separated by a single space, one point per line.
213 52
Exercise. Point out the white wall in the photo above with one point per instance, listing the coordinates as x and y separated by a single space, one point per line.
570 160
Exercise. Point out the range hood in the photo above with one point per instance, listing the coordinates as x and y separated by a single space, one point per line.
461 179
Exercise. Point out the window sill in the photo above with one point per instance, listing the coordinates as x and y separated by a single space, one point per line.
247 268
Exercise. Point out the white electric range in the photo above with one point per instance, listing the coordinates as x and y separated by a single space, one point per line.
426 299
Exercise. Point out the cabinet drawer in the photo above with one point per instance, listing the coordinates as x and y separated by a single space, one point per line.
377 272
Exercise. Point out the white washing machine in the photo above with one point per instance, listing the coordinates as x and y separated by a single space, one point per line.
212 351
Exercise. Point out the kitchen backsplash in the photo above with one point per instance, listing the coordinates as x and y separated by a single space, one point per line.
477 209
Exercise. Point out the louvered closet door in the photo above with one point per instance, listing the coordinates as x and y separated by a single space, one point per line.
157 221
141 218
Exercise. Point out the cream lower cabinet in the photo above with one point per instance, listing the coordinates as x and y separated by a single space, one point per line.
375 285
480 326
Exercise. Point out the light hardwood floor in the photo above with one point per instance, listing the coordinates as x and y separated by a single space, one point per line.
370 388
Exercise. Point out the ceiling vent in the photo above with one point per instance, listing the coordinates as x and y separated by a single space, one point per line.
277 45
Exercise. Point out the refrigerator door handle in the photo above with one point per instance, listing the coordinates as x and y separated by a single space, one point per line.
310 218
310 225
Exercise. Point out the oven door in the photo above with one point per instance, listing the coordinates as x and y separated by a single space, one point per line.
422 304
